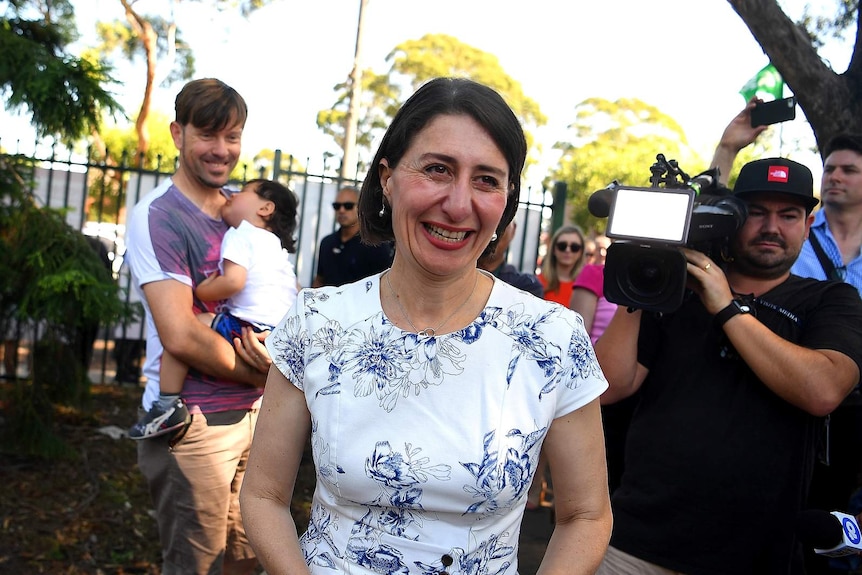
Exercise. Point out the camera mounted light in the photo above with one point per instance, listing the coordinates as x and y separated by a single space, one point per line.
651 214
645 268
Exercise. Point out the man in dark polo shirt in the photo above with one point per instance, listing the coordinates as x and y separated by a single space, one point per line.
343 258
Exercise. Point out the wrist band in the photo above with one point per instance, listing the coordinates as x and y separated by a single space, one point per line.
734 308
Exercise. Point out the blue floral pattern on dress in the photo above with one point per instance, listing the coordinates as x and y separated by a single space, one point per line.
327 469
372 382
317 544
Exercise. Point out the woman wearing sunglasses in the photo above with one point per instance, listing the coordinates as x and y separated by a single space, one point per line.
563 263
560 267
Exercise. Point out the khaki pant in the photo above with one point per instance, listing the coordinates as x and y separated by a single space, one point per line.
195 486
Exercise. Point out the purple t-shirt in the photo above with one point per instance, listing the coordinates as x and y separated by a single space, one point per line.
169 237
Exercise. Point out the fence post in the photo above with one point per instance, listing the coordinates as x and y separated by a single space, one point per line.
276 165
559 209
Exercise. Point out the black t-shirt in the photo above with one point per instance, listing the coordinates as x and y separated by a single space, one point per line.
717 466
340 262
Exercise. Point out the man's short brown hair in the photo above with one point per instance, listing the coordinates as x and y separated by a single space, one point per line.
210 104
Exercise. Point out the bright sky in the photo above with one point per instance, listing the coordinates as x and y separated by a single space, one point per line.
688 58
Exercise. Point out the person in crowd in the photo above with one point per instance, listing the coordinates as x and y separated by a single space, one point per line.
174 234
734 385
833 251
495 263
560 267
588 299
589 249
255 278
738 134
343 257
428 390
598 250
561 264
837 229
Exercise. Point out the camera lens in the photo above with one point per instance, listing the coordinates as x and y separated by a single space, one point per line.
647 277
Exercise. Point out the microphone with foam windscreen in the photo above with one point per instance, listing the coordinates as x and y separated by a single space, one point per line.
600 201
832 534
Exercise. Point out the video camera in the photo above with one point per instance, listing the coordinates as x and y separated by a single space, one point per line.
645 268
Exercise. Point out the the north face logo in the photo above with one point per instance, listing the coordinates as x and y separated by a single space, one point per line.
777 174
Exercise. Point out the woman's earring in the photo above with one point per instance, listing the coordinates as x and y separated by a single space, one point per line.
494 237
382 211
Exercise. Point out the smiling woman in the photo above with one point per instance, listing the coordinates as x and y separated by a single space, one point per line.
428 399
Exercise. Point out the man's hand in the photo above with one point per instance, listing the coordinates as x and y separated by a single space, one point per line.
736 136
739 132
708 281
251 349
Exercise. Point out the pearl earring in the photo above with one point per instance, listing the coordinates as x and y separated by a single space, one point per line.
382 211
494 237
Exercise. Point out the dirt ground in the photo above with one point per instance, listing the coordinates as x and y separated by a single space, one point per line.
92 514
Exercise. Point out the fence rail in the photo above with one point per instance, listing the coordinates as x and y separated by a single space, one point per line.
95 198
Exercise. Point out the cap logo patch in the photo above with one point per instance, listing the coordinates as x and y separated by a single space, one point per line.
777 174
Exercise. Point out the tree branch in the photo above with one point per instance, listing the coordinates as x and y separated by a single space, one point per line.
822 94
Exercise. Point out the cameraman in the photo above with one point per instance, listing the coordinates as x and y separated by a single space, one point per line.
833 250
734 385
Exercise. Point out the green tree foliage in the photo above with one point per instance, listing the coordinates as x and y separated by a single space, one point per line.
119 145
120 37
411 64
380 101
66 96
830 99
53 277
157 41
822 27
617 141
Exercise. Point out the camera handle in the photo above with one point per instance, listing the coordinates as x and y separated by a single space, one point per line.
667 172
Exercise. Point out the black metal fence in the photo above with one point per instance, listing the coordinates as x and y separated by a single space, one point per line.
96 196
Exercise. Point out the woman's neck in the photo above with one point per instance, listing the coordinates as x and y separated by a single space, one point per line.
566 274
430 304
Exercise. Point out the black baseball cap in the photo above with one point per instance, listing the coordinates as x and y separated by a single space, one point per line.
776 175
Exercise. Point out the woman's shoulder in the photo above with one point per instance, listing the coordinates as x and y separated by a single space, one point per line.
591 276
341 302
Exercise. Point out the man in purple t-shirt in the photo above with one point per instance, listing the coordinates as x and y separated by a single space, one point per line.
174 238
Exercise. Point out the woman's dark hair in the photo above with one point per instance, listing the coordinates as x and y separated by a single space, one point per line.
282 221
434 98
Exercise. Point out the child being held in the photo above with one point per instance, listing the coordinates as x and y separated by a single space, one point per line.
256 278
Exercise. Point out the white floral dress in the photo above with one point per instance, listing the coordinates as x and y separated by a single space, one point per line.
425 446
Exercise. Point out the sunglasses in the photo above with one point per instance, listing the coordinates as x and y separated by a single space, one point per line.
346 205
573 247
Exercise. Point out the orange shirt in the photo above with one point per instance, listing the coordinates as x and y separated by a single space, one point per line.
561 295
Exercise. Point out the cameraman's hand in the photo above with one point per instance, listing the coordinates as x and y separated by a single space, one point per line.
708 281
